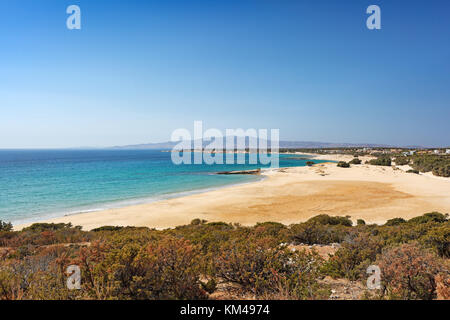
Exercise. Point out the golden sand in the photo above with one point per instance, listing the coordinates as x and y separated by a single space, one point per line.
291 195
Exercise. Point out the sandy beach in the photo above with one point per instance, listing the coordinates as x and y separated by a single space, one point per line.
291 195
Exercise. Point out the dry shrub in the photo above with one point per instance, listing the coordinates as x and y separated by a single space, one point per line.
443 286
408 272
272 272
164 269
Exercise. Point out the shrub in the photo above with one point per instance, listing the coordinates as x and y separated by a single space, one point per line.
438 238
166 269
5 226
316 233
355 161
408 272
442 171
443 286
36 277
276 231
360 222
343 164
197 222
354 256
220 225
395 222
326 219
401 161
107 228
270 271
413 171
438 165
382 161
39 227
429 217
187 262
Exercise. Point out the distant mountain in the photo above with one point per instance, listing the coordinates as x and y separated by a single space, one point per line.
283 144
159 145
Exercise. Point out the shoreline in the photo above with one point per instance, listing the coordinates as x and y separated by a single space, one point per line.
119 204
289 195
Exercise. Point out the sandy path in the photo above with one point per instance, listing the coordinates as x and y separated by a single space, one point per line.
290 195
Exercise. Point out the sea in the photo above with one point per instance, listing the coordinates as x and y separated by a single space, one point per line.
36 185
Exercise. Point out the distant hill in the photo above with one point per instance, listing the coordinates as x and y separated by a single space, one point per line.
283 144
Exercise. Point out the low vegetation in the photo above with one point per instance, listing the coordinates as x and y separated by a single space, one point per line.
219 260
355 161
438 165
401 161
381 161
343 164
436 161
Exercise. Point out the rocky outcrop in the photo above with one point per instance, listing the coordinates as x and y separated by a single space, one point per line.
254 172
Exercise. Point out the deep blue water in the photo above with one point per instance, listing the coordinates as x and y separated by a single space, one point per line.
40 184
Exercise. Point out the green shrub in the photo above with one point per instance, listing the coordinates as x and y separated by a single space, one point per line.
438 238
220 225
316 233
274 230
355 161
107 228
39 227
429 217
326 219
164 269
413 171
395 222
401 161
354 256
381 161
343 164
438 165
188 262
197 222
360 222
269 271
442 171
5 226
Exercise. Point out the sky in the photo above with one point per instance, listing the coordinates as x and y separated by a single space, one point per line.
137 70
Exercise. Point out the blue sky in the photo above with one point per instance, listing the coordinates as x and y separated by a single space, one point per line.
137 70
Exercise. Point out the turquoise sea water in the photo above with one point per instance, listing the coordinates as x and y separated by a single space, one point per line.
40 184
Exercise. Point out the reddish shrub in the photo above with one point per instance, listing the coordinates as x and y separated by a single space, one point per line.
408 272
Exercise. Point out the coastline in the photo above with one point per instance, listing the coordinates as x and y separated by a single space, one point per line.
119 204
289 195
